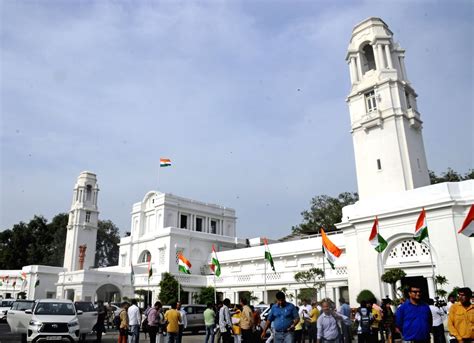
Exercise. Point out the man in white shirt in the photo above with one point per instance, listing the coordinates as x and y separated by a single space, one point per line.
183 324
225 322
438 313
134 320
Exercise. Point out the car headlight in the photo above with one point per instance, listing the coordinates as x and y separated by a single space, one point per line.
73 323
35 322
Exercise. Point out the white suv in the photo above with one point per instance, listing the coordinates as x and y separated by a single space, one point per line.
53 320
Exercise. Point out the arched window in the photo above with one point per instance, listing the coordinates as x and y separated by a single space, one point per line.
88 193
368 59
145 256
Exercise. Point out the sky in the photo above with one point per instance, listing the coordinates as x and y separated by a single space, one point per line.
247 98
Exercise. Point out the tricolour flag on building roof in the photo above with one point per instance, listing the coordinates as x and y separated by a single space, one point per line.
150 269
165 162
184 265
376 239
421 229
467 227
215 265
330 250
268 255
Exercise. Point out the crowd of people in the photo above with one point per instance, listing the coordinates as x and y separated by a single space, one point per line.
412 321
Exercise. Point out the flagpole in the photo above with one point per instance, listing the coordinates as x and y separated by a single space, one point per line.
380 270
324 270
432 265
215 292
265 281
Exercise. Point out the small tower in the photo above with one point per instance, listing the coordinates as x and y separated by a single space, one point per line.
385 122
81 236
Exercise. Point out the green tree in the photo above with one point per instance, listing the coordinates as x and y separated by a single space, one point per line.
325 211
392 276
450 175
107 249
206 295
312 278
440 281
305 294
169 289
365 295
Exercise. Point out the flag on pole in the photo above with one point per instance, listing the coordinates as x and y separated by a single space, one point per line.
165 162
37 283
467 227
14 284
132 275
150 269
184 265
8 279
330 250
268 255
376 239
421 230
23 276
215 265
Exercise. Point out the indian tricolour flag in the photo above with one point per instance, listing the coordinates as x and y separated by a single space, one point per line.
331 251
268 255
150 268
421 230
215 265
165 162
467 227
376 238
184 265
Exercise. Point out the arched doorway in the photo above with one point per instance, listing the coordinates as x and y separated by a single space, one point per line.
415 260
108 293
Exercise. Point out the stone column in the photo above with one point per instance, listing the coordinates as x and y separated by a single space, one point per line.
353 69
389 56
359 66
380 57
431 287
402 67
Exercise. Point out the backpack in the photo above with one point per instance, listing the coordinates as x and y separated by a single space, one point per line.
365 320
117 321
145 325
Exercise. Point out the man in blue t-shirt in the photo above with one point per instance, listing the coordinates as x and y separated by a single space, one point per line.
413 318
284 317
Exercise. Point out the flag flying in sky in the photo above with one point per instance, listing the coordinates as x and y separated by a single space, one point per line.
184 265
150 269
330 250
467 227
421 229
215 265
268 255
376 239
165 162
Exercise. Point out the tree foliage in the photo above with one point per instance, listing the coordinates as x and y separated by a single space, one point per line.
40 242
392 276
325 211
169 289
312 278
206 295
365 295
450 175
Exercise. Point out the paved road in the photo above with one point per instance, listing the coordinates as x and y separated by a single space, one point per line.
111 336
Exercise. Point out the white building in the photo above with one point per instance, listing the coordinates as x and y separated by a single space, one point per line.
393 184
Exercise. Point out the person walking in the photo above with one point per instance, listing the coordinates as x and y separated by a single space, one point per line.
364 319
346 324
155 319
313 322
413 318
134 321
225 322
298 335
388 320
183 323
327 328
438 314
285 317
461 317
172 318
99 325
246 322
236 331
210 323
123 327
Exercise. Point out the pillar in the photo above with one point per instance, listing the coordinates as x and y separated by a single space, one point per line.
353 69
388 56
380 57
402 67
359 66
431 287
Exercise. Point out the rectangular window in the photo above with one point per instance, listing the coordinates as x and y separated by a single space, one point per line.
213 226
418 163
370 101
379 164
88 217
199 224
50 295
183 222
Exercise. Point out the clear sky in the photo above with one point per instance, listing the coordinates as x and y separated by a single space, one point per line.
247 98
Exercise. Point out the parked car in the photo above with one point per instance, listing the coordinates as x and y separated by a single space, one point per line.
88 318
4 307
17 318
53 320
195 317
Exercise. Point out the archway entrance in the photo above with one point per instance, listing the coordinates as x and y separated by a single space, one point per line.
108 293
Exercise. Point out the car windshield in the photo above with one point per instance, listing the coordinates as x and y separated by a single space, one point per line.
6 303
85 306
23 305
59 309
